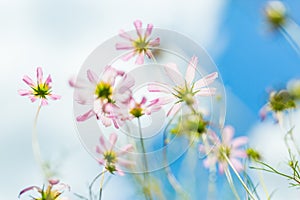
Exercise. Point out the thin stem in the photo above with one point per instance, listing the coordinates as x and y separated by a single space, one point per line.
101 184
145 159
230 181
93 181
36 146
238 176
261 179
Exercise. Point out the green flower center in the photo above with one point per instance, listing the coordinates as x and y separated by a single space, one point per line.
137 111
141 45
104 91
41 90
111 158
282 100
223 150
185 94
49 194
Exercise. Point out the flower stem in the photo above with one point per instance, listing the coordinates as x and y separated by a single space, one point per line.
101 184
230 181
93 181
146 173
36 146
239 177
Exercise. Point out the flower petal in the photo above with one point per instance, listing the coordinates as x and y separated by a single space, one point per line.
39 74
152 87
48 80
85 116
174 109
123 46
227 134
174 73
24 92
140 59
206 92
113 139
206 80
129 55
92 76
138 27
238 154
28 81
28 189
191 69
44 102
125 35
239 141
148 30
237 164
103 142
155 42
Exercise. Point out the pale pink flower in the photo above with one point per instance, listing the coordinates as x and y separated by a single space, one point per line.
186 89
139 46
39 90
112 158
228 146
103 95
51 192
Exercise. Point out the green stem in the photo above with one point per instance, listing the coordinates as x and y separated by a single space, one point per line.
238 176
92 183
36 146
230 181
146 173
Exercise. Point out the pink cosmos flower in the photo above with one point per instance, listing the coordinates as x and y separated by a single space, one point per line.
139 46
39 90
186 89
111 158
228 146
134 109
51 192
103 95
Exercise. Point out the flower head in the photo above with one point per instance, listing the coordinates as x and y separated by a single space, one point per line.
275 12
103 95
224 149
51 192
278 102
133 109
185 89
39 90
141 45
111 158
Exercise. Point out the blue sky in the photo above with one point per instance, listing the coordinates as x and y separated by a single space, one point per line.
59 35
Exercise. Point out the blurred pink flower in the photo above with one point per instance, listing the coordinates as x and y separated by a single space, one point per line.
185 90
51 192
141 45
134 109
111 158
228 146
103 95
39 90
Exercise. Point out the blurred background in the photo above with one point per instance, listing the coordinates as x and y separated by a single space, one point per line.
59 35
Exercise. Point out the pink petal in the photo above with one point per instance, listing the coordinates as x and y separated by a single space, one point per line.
237 142
85 116
155 42
127 82
105 120
126 149
33 98
205 81
120 172
54 96
113 139
53 181
149 54
24 92
28 189
127 56
206 92
222 167
122 46
263 112
39 74
148 30
174 109
238 154
125 163
140 59
99 150
190 72
143 101
210 161
227 134
44 102
237 164
92 76
152 87
138 27
174 74
48 80
125 35
103 142
28 81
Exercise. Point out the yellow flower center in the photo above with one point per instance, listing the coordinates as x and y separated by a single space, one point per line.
141 45
41 90
137 111
223 150
104 91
